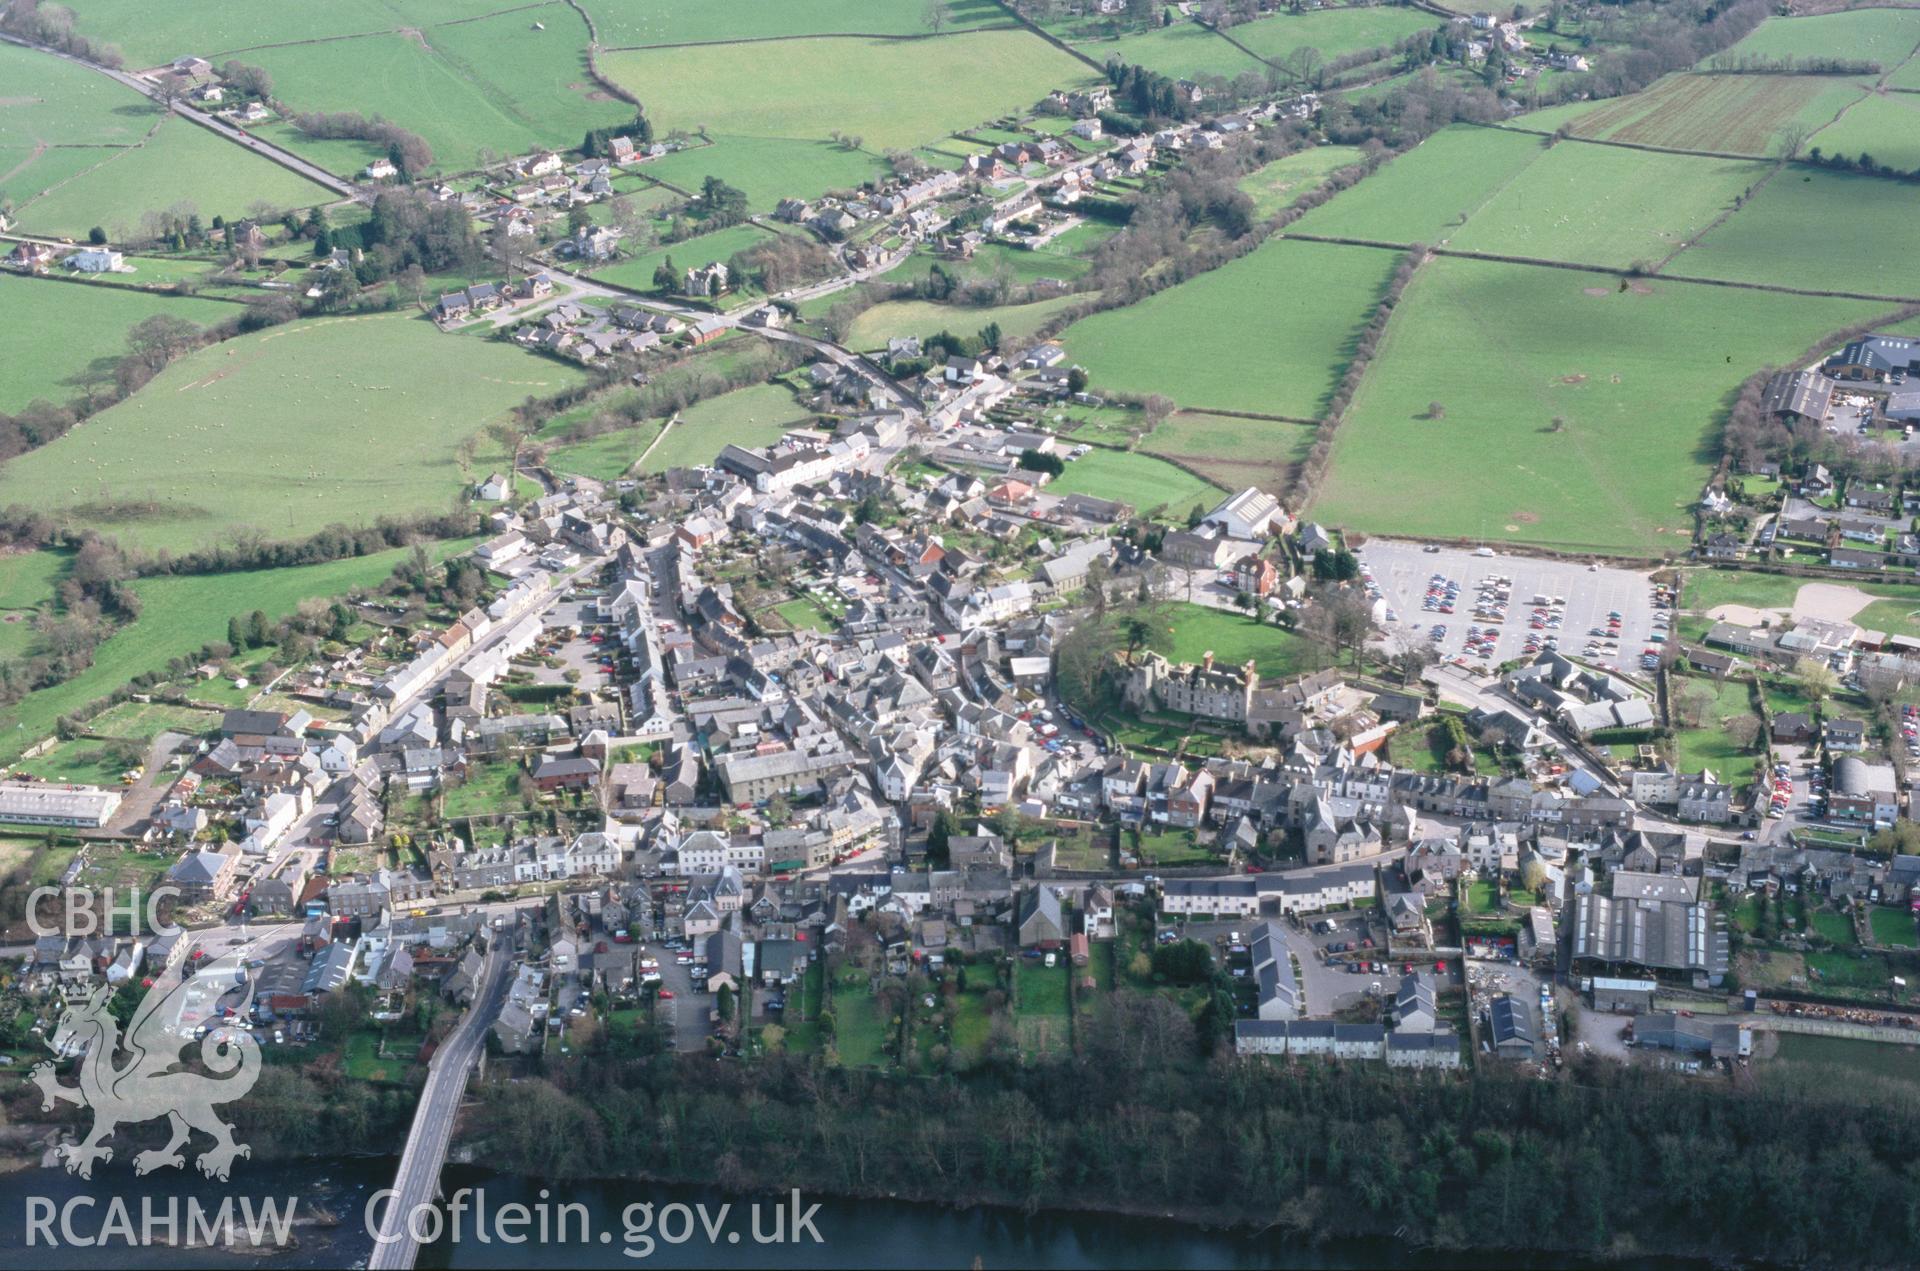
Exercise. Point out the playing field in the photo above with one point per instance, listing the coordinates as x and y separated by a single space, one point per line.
1141 480
768 169
887 92
1883 125
623 23
754 416
1423 195
1885 36
1232 452
75 327
1281 184
1603 205
872 329
1864 221
77 150
179 615
283 432
1185 50
493 84
1729 114
1335 32
1639 380
1270 333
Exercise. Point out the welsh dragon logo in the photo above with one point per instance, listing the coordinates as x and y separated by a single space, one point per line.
152 1083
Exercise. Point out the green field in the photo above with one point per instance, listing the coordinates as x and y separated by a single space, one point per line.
1042 1005
1233 638
1728 114
1185 50
142 721
1422 195
1335 32
606 457
768 169
1862 218
283 432
1141 480
150 34
77 150
1885 126
1708 745
493 84
872 329
860 1031
1269 333
1845 1061
1602 205
1895 608
887 92
1232 452
1283 182
637 271
1885 36
180 614
1893 926
75 328
623 23
1638 378
27 582
754 416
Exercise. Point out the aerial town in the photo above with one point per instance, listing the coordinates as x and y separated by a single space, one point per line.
926 619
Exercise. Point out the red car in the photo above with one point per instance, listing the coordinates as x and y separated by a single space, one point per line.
666 995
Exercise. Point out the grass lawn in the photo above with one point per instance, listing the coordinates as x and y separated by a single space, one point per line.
1269 333
1854 971
180 614
1141 480
79 762
768 169
495 83
872 329
755 416
1603 205
1185 50
806 612
76 328
1042 1014
489 788
1281 184
1837 927
1480 897
1893 926
887 92
1276 652
1172 848
1765 241
1420 196
637 271
1885 36
1230 451
1413 746
859 1029
1730 114
283 432
972 1022
142 721
622 23
606 457
363 1060
1640 379
1709 746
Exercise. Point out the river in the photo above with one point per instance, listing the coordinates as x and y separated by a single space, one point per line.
610 1228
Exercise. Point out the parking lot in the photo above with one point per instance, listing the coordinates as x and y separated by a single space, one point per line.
1502 617
1330 980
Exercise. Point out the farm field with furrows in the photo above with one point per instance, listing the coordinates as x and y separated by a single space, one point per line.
281 433
1727 114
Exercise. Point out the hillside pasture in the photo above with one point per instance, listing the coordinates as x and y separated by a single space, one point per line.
1602 205
1638 378
1335 32
283 432
1423 195
767 169
1185 50
154 34
1863 221
1883 125
755 416
1232 452
1269 333
872 329
1727 114
624 24
637 271
606 457
27 582
891 93
1284 182
1886 36
76 327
